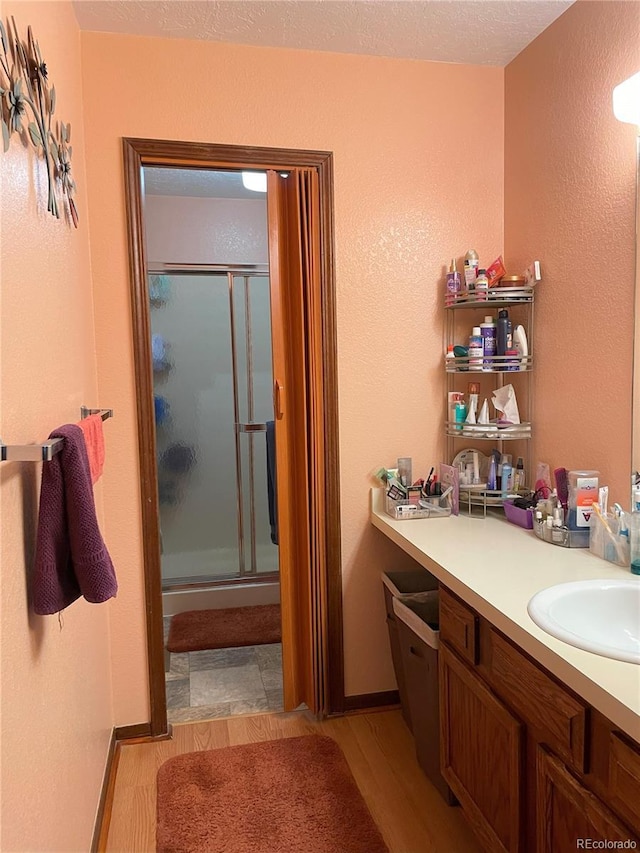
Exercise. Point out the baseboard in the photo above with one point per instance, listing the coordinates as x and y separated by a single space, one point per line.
367 701
135 731
103 815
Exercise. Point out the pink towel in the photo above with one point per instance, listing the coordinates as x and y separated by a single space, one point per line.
94 439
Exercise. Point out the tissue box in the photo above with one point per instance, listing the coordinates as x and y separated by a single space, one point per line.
521 517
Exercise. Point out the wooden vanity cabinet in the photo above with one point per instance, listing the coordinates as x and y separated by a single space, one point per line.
481 753
567 811
534 767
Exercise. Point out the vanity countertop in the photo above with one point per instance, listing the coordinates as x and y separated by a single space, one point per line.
497 567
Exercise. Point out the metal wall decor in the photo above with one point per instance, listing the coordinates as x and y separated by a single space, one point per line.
26 96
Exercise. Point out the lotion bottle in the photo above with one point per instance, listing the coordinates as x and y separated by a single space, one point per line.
471 262
520 344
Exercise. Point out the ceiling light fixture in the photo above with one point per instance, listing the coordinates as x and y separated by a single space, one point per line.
256 181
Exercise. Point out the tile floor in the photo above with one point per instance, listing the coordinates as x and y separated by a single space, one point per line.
224 682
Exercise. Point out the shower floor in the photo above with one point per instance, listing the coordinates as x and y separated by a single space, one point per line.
224 682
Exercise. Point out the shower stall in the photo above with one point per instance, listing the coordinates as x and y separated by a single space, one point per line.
212 378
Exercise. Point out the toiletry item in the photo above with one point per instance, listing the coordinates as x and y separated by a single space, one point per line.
474 390
512 360
507 472
636 500
562 487
633 520
583 493
603 499
404 470
459 413
489 345
476 468
518 475
495 271
493 474
482 285
521 345
470 269
483 417
532 274
454 284
502 335
450 356
556 526
454 397
475 349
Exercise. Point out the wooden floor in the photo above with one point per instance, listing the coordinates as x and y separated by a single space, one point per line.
410 813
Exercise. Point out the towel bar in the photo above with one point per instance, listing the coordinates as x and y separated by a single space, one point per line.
47 450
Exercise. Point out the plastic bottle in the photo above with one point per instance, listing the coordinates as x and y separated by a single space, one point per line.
488 332
502 335
470 269
475 349
454 284
450 357
492 478
482 286
520 343
518 475
507 472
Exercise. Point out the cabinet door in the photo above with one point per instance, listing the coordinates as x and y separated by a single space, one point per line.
481 755
567 812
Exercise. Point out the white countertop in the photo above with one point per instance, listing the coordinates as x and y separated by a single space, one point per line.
497 567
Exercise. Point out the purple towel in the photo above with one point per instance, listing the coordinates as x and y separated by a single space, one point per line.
71 557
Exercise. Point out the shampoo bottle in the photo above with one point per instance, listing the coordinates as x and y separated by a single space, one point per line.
488 332
502 335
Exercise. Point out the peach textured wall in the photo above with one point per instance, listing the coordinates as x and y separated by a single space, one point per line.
56 683
570 201
418 150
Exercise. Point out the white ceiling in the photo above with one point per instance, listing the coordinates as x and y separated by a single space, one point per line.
482 32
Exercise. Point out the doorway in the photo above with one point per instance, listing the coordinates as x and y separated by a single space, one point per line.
305 412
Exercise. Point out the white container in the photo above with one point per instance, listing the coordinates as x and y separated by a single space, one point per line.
476 350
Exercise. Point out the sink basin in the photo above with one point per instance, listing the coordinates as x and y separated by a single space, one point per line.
600 616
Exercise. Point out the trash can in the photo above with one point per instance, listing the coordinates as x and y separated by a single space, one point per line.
419 634
403 586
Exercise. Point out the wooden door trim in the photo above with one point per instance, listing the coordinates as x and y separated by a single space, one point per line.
148 152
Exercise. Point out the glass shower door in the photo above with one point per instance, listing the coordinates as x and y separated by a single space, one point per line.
211 347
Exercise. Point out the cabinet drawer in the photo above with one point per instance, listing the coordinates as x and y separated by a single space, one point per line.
557 717
458 626
624 779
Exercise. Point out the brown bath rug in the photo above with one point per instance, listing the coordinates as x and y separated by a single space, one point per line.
197 630
278 796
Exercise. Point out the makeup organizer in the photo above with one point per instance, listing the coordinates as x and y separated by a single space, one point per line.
462 314
45 451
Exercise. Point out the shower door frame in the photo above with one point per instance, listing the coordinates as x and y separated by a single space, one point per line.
230 272
138 153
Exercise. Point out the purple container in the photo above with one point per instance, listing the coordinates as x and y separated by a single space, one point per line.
521 517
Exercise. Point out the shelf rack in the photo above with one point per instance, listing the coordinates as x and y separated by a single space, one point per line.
501 368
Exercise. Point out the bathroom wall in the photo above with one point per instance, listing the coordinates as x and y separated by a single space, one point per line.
570 173
55 682
418 150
